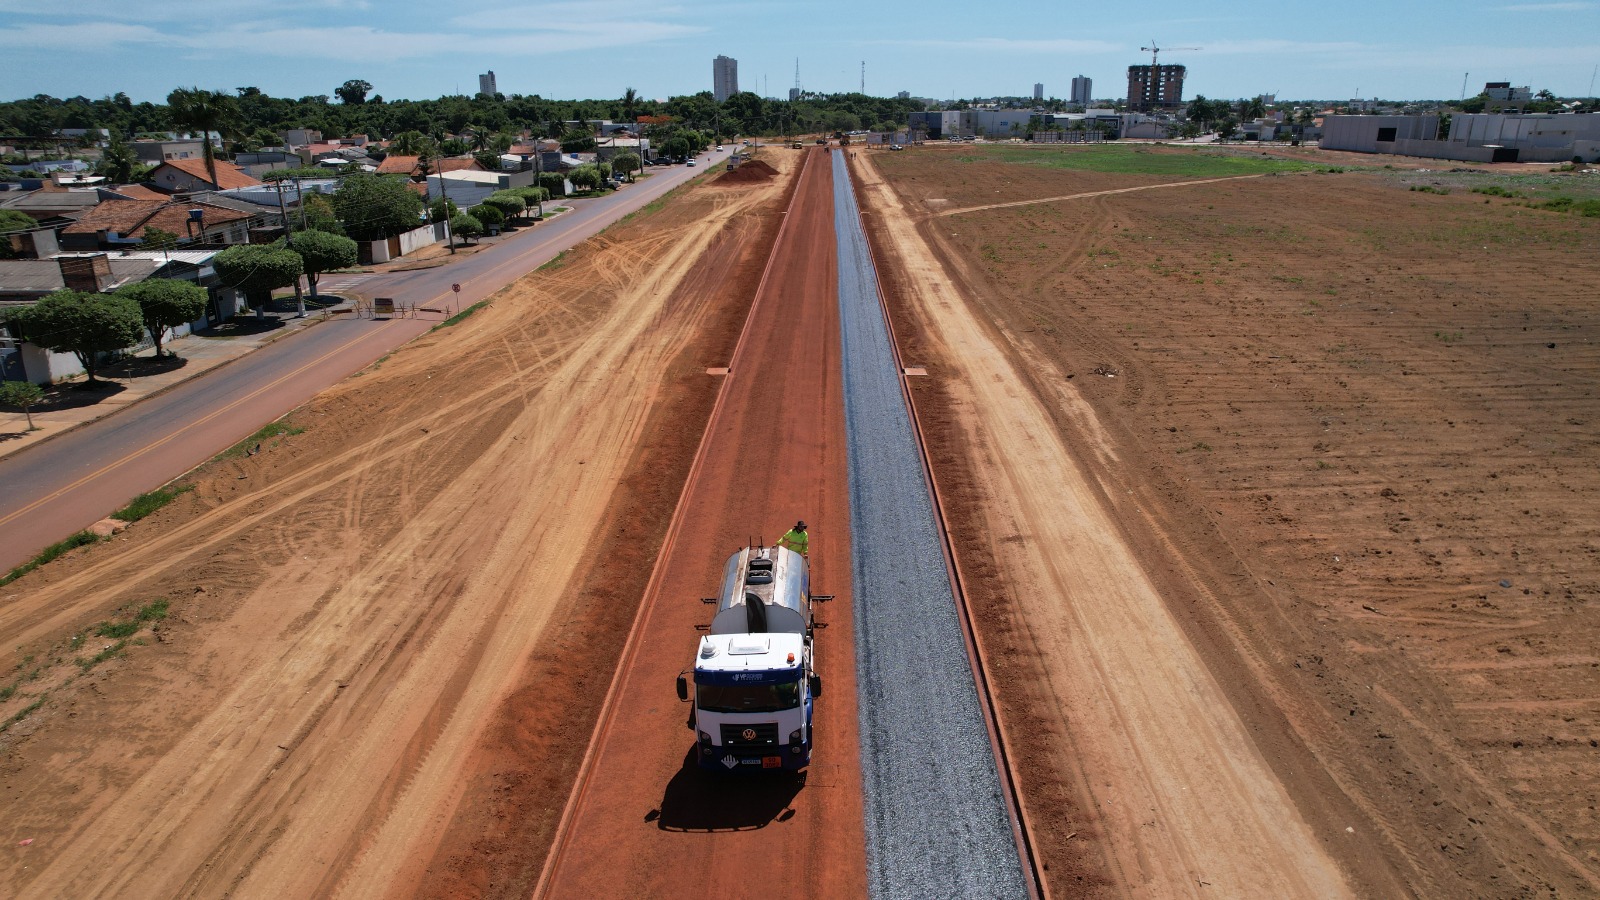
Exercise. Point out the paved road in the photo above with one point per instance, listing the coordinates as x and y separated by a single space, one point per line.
54 489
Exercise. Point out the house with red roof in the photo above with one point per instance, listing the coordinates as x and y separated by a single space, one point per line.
115 224
183 175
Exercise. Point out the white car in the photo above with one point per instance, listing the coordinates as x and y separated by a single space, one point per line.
691 163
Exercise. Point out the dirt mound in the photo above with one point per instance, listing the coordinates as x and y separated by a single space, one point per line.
752 171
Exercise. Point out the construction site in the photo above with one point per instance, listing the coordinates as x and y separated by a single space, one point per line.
1182 523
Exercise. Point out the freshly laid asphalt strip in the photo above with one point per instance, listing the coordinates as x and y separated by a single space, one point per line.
936 819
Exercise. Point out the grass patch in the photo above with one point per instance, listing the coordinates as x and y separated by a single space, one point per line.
559 261
110 652
461 316
267 433
72 542
116 630
1429 189
1448 337
147 503
1134 160
21 714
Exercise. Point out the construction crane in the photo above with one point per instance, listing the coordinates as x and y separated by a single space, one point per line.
1153 50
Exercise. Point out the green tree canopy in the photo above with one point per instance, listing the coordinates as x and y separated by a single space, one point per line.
257 269
466 225
353 91
165 303
586 177
22 395
321 252
487 215
317 214
374 207
442 210
577 140
508 202
85 325
532 197
626 164
554 182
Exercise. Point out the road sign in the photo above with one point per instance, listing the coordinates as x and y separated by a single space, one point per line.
456 288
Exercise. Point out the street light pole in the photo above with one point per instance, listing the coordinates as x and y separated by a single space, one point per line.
288 238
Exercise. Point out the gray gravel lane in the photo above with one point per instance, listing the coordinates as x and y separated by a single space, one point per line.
936 819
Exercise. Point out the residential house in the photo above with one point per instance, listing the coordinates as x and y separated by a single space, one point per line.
124 223
180 175
152 152
411 166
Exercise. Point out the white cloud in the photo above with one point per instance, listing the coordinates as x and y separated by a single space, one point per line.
79 36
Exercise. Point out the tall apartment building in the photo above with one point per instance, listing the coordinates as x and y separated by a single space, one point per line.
1082 89
1155 87
724 78
486 84
1038 92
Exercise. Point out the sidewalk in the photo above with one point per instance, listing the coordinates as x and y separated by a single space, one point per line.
70 404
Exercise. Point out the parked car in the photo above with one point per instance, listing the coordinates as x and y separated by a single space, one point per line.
691 163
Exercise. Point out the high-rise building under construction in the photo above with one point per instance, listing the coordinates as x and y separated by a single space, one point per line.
1155 87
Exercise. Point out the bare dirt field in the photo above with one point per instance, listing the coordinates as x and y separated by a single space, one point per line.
1349 432
366 659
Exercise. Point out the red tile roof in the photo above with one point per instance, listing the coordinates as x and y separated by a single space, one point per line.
407 165
130 218
228 174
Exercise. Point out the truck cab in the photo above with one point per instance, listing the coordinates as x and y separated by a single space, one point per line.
753 681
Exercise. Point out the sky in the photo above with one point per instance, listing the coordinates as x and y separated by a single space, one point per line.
1410 49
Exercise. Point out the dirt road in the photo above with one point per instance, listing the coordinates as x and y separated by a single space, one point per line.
351 614
1352 452
647 822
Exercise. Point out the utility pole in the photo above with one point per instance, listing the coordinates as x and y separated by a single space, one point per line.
288 239
449 238
863 78
1464 77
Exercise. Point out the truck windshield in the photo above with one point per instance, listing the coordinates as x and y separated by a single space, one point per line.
749 697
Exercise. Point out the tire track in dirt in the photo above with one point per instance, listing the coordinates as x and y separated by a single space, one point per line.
1137 696
350 703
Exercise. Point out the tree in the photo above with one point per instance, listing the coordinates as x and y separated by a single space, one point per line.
353 92
510 204
21 394
165 303
411 143
630 105
374 207
676 147
466 225
85 325
533 197
321 252
1227 128
205 111
585 177
257 269
487 216
442 210
626 164
316 213
577 140
554 182
118 162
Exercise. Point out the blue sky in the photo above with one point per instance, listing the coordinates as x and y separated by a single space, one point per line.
1393 50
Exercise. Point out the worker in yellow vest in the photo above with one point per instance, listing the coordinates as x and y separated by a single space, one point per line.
797 539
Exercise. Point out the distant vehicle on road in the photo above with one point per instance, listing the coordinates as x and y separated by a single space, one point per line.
691 163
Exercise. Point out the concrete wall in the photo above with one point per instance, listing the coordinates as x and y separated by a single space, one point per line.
1360 133
426 236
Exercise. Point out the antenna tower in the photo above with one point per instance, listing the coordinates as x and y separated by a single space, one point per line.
1464 77
863 76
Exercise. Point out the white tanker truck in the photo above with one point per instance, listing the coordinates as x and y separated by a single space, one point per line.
753 677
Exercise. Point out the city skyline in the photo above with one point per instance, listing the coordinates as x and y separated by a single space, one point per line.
596 50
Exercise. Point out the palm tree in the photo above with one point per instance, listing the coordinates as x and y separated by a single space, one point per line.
630 105
205 112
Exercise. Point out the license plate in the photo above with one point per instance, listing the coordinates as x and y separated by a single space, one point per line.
771 762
